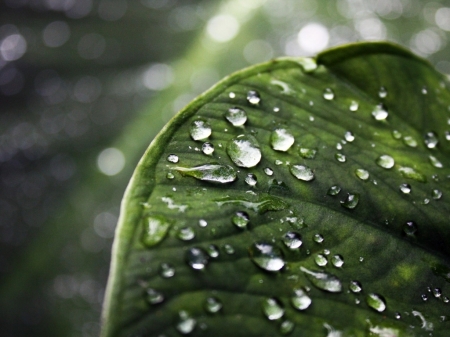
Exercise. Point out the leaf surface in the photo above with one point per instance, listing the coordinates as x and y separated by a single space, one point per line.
322 210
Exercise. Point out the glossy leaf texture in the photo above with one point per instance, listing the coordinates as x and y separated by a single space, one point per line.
302 197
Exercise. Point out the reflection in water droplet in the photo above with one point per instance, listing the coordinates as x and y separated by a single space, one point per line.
436 194
272 308
213 251
380 112
320 260
410 141
405 188
328 94
355 287
362 174
300 300
281 140
173 158
286 327
337 261
236 116
430 139
211 173
251 179
266 256
186 324
318 238
349 136
354 106
435 162
213 305
340 157
241 219
376 302
268 171
307 153
323 280
200 129
166 270
382 93
197 258
351 201
253 97
302 172
292 240
385 161
155 229
153 296
186 234
334 190
244 151
208 148
410 228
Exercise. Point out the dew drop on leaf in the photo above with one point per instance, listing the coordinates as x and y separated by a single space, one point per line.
153 296
212 173
166 270
229 249
437 292
351 201
244 151
267 256
300 301
380 112
410 141
396 134
281 140
410 228
155 229
340 157
286 327
173 158
186 323
213 305
200 129
328 94
323 280
236 116
410 173
430 139
321 260
251 179
253 97
334 190
337 261
349 136
376 302
354 105
302 172
202 223
436 194
186 234
385 161
208 148
318 238
241 219
405 188
197 258
292 240
355 287
382 93
272 308
362 174
170 175
213 251
268 171
435 162
307 153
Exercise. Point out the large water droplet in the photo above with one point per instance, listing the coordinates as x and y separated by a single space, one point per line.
208 148
410 173
210 172
340 157
197 258
266 256
281 140
385 161
355 287
244 151
236 116
405 188
241 219
186 324
213 305
173 158
354 106
430 139
166 270
328 94
410 141
155 229
349 136
321 260
302 172
307 153
337 261
186 234
362 174
376 302
251 179
292 240
287 327
300 300
380 112
435 162
153 296
334 190
253 97
351 201
200 129
272 308
323 280
382 93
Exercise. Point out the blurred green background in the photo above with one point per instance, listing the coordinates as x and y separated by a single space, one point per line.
85 85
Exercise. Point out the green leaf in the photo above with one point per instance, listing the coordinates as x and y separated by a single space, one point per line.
324 212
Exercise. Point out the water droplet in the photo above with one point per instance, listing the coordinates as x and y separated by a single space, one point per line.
232 95
380 112
337 261
244 151
430 140
213 251
321 260
166 270
326 251
405 188
424 90
236 116
273 309
229 249
266 256
436 194
446 299
410 141
410 173
202 223
334 190
286 327
437 292
351 201
397 315
340 157
302 172
197 258
153 296
213 305
173 158
241 219
382 93
210 172
385 161
328 94
200 129
447 135
361 259
292 240
410 228
349 136
396 134
355 287
251 179
281 140
354 106
186 234
170 175
155 229
376 302
300 300
186 324
253 97
208 148
362 174
323 280
435 162
318 238
268 171
307 153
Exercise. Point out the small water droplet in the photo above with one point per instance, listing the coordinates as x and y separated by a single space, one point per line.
435 162
251 179
397 315
210 172
232 95
340 157
362 174
244 151
361 259
307 153
229 249
410 228
382 93
405 188
447 135
213 305
410 173
300 301
241 219
197 258
253 97
437 292
376 302
349 136
153 296
186 234
430 139
302 172
202 223
396 134
266 256
213 251
278 162
292 240
200 129
380 112
208 148
385 161
446 299
186 324
354 105
410 141
323 280
355 287
236 116
339 146
268 171
170 175
424 297
286 327
318 238
436 194
272 308
321 260
173 158
155 229
166 270
334 190
281 140
337 261
424 90
326 251
328 94
351 201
